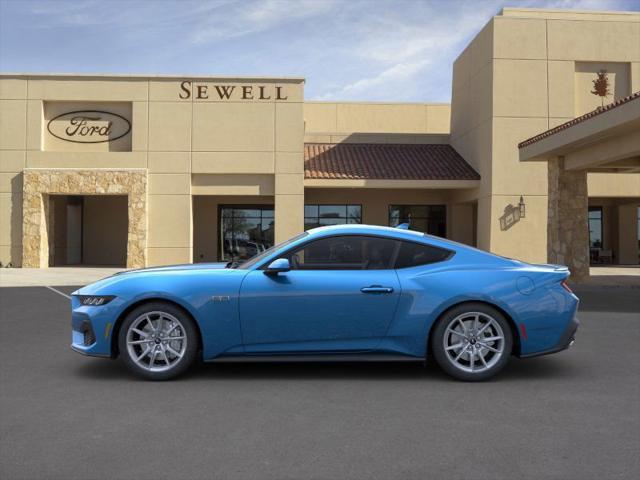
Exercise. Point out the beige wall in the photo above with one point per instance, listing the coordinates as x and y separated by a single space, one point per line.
54 114
536 67
364 117
258 129
619 74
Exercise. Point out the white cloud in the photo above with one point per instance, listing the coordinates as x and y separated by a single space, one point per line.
246 18
397 50
389 77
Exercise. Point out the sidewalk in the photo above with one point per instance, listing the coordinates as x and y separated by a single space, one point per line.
614 276
54 276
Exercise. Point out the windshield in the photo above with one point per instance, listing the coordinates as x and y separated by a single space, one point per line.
258 258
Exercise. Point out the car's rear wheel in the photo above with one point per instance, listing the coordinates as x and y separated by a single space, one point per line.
472 342
158 341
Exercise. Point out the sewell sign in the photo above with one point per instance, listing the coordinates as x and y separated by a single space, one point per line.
217 92
89 126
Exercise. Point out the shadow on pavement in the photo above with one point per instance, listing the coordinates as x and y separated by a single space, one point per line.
608 299
516 370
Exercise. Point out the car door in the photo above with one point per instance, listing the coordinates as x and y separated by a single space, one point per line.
339 296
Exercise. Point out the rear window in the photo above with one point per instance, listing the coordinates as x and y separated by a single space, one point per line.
414 254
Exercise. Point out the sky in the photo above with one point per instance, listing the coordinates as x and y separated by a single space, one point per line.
377 50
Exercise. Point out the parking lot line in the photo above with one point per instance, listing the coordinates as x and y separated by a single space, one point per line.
58 292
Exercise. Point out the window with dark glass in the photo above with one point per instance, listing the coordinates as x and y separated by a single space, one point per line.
323 215
347 252
595 227
245 231
414 254
431 219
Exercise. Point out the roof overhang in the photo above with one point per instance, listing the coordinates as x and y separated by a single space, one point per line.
601 141
386 165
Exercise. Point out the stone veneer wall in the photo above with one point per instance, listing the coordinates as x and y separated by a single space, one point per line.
568 227
38 223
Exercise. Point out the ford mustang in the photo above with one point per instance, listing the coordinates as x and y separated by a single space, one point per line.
347 292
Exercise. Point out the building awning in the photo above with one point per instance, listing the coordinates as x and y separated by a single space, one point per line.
604 140
578 120
357 161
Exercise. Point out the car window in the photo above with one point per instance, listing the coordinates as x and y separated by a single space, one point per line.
346 252
413 254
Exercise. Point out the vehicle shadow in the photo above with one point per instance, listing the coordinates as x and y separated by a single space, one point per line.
517 370
608 299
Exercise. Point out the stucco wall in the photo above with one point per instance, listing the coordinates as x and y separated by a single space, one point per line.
171 137
350 117
520 76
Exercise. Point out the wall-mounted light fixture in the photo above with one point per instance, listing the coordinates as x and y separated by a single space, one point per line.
522 207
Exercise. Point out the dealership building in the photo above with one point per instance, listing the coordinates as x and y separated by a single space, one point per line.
146 170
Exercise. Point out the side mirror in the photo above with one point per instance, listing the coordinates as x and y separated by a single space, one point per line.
277 266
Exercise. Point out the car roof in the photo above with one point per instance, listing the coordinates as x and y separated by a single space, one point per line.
358 228
398 233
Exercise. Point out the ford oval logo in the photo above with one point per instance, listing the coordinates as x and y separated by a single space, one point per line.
89 126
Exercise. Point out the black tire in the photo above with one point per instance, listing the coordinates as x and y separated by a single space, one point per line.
445 360
190 332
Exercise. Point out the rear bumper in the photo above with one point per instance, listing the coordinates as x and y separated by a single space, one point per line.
566 340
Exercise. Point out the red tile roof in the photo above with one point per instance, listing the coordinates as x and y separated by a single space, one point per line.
579 119
385 161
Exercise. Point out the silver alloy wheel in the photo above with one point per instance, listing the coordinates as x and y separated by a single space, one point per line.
156 341
474 342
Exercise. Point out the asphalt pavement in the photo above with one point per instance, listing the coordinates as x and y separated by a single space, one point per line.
573 415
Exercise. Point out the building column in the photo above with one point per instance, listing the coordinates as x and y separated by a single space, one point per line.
568 227
35 227
460 223
170 227
289 170
628 234
289 205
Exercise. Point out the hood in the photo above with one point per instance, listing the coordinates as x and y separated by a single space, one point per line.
174 268
108 282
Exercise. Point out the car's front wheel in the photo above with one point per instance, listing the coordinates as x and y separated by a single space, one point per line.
158 341
472 342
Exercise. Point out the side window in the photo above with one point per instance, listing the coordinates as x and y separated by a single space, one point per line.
347 252
414 254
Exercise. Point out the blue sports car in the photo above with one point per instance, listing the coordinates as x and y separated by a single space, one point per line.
333 293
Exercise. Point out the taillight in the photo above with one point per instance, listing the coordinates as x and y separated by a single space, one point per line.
565 285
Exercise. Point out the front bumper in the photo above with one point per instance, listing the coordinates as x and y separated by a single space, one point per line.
91 328
567 339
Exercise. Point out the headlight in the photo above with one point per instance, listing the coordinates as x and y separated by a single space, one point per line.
95 300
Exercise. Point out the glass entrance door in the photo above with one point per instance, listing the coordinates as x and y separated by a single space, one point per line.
245 231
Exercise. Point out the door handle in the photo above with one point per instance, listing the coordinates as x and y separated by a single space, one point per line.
376 289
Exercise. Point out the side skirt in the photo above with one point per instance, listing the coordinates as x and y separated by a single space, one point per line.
315 358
